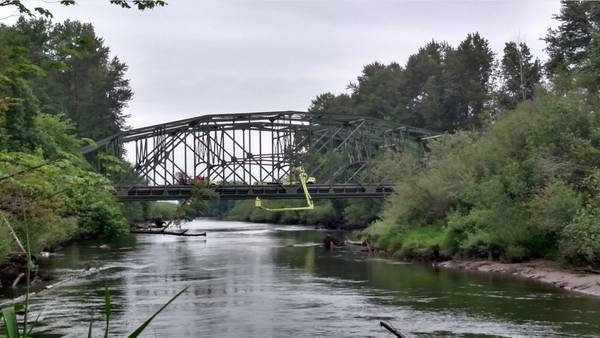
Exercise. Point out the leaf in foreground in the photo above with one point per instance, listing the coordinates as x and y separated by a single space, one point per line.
10 321
147 322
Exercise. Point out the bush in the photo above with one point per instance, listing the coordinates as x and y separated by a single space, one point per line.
361 212
323 214
164 210
516 253
554 207
421 243
134 211
580 240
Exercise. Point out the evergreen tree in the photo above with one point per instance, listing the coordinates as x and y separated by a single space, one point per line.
80 79
469 69
567 45
425 87
331 104
378 91
519 74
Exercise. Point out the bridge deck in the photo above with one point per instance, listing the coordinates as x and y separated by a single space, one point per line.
241 192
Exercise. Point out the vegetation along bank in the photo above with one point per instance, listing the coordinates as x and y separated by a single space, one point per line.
514 177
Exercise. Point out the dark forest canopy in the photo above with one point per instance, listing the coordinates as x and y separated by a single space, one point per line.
441 87
69 70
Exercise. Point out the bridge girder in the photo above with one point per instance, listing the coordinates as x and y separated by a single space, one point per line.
246 149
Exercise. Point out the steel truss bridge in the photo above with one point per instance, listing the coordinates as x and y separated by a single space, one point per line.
245 155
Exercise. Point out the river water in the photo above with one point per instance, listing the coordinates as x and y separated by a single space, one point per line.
259 280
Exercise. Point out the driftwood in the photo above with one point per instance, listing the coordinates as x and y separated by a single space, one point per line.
18 279
330 242
357 243
392 330
164 231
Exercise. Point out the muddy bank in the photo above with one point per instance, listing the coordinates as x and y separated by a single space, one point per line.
544 271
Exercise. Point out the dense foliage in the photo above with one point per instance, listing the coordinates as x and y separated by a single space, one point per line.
515 175
525 185
57 83
508 192
441 88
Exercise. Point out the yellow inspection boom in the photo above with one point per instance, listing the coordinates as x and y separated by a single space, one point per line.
309 202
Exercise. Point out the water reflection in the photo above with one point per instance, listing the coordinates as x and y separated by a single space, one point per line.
253 280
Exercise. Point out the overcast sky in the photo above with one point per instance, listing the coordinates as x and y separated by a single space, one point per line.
195 57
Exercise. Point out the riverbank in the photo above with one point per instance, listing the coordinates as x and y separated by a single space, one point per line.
544 271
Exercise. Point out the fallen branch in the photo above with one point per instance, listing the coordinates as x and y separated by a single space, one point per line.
12 231
165 232
357 243
330 242
18 279
392 330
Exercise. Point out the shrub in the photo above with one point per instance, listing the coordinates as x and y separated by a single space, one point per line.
422 242
164 210
553 207
516 253
361 212
580 240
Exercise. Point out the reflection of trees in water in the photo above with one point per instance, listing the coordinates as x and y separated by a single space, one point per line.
309 260
422 287
248 274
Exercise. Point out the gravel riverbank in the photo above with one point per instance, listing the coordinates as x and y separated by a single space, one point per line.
544 271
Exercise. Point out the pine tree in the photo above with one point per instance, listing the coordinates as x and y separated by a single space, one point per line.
469 69
80 79
425 87
519 74
567 45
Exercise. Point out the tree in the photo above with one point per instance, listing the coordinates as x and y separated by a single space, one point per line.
23 9
567 45
332 104
19 118
376 93
79 78
425 87
469 69
518 73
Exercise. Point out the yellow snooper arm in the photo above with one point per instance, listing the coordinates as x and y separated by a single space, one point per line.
309 202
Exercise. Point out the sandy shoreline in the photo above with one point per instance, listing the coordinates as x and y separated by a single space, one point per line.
544 271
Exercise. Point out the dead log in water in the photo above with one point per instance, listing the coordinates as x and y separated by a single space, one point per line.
330 242
393 330
166 232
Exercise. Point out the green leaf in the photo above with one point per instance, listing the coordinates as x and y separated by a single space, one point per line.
149 320
10 322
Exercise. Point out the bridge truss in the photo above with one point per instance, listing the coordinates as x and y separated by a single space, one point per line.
244 155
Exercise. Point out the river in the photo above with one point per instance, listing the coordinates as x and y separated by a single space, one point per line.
260 280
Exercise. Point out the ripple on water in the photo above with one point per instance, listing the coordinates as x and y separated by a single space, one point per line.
257 280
